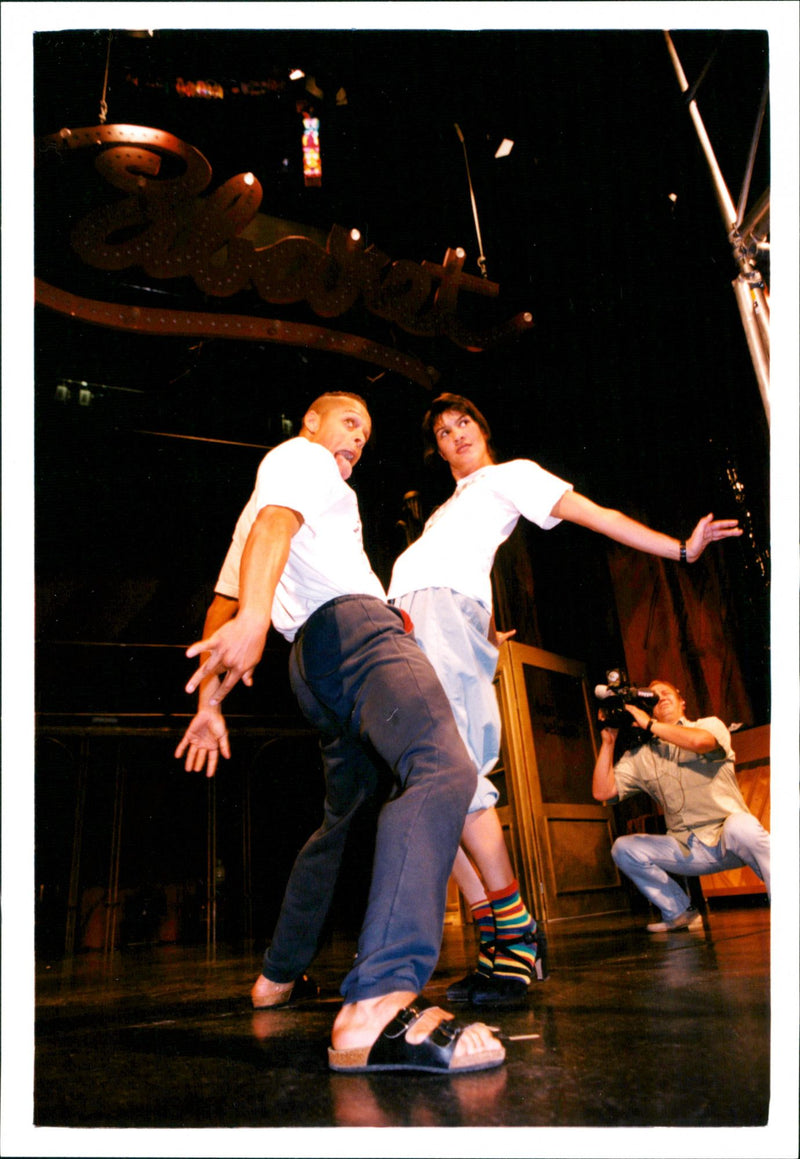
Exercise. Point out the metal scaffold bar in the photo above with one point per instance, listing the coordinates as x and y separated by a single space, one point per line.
749 288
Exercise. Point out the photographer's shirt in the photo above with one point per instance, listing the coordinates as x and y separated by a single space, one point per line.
696 791
327 557
457 547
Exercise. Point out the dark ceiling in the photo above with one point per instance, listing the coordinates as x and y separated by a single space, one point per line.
635 381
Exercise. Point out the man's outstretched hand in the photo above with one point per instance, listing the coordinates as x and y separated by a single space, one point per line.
234 649
205 738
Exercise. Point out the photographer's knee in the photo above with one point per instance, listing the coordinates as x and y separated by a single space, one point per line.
741 830
622 850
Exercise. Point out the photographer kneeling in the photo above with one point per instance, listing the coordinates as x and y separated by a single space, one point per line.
688 768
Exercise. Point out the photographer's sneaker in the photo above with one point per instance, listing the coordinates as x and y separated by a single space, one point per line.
690 919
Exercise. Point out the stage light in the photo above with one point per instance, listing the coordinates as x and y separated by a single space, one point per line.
85 394
249 179
312 162
504 148
354 242
296 74
673 197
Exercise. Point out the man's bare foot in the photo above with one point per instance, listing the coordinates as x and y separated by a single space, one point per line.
266 993
359 1024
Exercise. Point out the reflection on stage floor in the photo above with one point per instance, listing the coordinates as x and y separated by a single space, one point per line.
631 1029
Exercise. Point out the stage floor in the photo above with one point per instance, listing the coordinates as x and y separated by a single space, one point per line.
631 1029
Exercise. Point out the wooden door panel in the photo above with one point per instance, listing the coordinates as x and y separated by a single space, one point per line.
579 852
559 836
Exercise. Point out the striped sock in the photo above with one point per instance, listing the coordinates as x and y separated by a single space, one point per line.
514 957
484 920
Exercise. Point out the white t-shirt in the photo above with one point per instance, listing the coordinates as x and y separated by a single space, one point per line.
327 557
459 542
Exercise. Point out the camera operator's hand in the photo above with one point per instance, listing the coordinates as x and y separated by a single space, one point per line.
608 735
603 784
640 717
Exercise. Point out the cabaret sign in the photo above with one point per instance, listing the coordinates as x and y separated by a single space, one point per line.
164 227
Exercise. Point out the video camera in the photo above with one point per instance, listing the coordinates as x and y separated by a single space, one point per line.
616 694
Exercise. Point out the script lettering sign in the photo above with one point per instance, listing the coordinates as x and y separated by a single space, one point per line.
167 227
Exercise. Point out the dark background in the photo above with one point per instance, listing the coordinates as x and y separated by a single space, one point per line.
635 383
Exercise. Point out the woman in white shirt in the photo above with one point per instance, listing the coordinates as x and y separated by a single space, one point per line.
443 581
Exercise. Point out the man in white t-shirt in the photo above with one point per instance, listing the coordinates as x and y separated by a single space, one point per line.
687 766
297 561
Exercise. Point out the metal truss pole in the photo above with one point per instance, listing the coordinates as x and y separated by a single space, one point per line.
749 289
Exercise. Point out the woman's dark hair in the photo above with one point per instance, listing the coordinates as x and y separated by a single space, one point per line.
463 406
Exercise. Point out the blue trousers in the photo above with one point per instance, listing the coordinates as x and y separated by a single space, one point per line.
649 860
364 683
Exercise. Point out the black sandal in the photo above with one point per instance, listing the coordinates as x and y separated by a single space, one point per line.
392 1050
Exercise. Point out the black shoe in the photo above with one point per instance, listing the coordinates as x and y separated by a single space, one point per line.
497 991
461 990
305 988
542 966
536 938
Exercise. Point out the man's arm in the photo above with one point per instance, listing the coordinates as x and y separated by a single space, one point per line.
236 647
696 740
604 786
578 509
207 735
